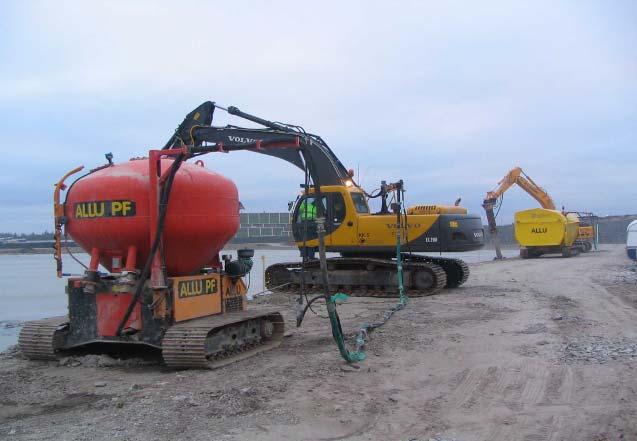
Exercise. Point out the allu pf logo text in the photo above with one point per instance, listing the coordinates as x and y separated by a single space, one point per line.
197 287
97 209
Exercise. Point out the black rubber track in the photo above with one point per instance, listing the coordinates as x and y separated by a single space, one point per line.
39 338
184 344
280 274
457 270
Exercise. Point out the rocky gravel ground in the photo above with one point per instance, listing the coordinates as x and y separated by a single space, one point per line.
106 361
600 350
626 273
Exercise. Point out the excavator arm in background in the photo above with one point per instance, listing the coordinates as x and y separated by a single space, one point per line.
515 176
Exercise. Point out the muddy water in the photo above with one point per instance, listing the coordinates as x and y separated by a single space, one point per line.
29 288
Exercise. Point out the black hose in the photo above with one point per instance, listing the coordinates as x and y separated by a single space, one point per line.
163 208
308 305
499 202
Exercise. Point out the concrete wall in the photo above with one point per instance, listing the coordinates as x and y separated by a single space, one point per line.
264 227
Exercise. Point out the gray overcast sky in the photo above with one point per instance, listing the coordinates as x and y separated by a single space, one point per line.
446 95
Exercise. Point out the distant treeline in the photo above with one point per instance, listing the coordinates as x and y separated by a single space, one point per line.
31 236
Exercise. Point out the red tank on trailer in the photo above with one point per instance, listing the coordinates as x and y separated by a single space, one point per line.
108 216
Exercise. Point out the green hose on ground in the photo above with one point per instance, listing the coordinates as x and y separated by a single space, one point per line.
366 328
337 331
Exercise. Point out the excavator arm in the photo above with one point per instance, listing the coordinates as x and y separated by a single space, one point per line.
515 176
290 143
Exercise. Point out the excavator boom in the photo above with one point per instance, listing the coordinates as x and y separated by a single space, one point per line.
290 143
517 176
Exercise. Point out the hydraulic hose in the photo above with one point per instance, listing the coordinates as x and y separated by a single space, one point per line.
366 328
163 208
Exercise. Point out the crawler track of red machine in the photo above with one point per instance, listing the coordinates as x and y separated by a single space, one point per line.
216 341
38 338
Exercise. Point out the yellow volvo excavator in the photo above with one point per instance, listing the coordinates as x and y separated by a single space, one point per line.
541 230
334 202
366 242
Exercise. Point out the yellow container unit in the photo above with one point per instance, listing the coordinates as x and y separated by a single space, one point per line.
541 231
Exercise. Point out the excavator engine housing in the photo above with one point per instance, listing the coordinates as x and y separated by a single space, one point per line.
436 209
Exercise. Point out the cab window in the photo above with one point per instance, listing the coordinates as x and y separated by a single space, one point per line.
360 203
338 208
308 209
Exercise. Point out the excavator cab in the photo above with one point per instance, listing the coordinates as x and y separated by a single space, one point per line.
336 206
304 216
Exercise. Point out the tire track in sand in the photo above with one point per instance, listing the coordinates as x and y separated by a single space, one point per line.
472 380
561 385
537 377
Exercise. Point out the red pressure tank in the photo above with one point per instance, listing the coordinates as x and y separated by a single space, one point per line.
108 214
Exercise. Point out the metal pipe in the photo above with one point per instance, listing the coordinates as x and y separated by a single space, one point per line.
493 228
263 269
163 208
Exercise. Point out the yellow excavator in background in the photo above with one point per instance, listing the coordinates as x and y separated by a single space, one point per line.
544 230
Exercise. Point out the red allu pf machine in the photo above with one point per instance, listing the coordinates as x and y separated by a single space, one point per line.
157 225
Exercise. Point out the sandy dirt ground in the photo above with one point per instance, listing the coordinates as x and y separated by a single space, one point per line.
543 349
